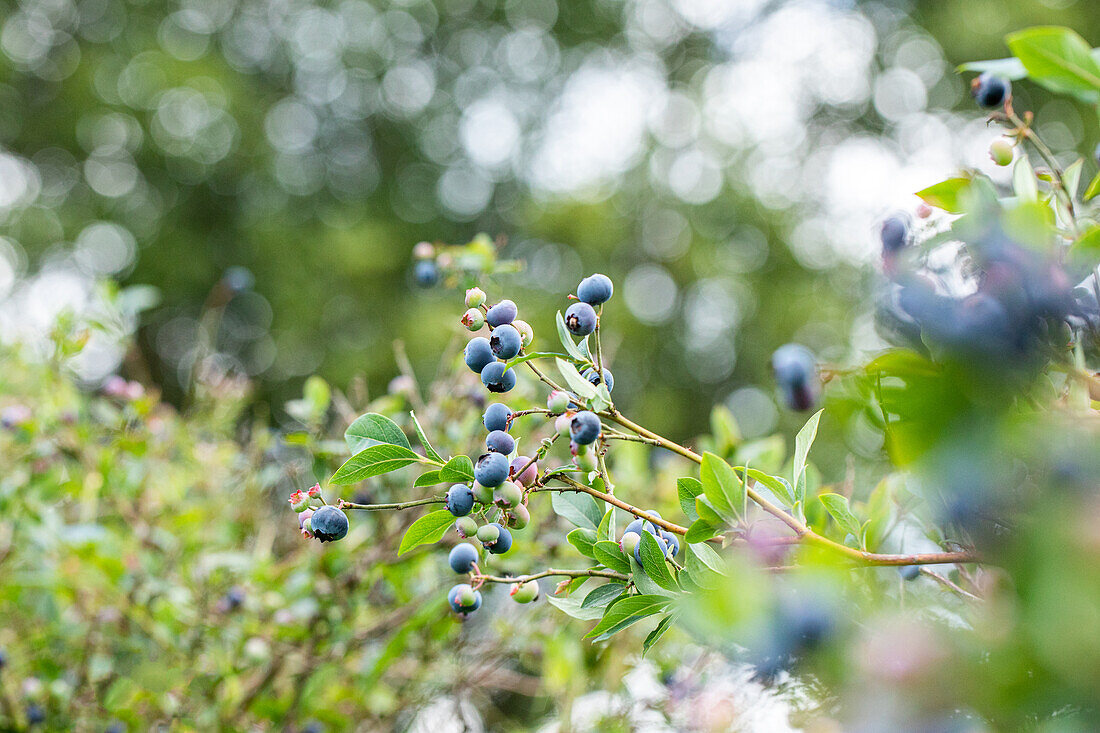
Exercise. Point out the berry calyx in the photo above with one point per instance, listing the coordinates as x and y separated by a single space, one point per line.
580 319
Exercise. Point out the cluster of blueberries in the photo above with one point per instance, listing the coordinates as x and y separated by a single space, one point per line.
631 541
326 523
508 336
1020 294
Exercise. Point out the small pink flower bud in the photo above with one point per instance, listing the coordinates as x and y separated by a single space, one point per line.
314 491
299 502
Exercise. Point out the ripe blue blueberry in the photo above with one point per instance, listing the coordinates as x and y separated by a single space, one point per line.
796 374
990 90
496 417
580 319
593 376
460 500
499 441
498 379
464 599
505 341
895 234
426 273
328 524
909 572
478 354
462 557
503 312
595 289
36 714
673 543
584 428
502 543
640 525
491 469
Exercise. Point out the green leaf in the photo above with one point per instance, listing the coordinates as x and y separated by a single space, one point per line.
624 612
573 607
706 512
723 489
374 461
706 555
428 478
778 486
432 453
1094 188
573 379
802 443
1024 183
1010 68
945 194
516 361
608 554
1088 246
1058 59
427 530
603 532
578 508
1071 177
583 540
653 562
645 584
602 595
459 469
687 489
371 429
656 634
838 508
700 531
567 340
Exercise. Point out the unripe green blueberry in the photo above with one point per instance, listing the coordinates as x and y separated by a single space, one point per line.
519 517
299 501
508 494
629 541
475 297
562 423
525 592
473 319
466 527
488 533
526 333
587 461
558 401
483 494
1001 151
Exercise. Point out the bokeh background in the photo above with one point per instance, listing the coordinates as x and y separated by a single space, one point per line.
725 162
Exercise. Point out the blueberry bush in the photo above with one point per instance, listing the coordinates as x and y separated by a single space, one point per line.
944 579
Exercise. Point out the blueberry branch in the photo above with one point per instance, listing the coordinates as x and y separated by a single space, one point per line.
551 572
341 504
800 529
1025 131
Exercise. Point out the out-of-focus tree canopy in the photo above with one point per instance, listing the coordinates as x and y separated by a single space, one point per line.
725 162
